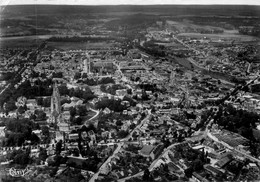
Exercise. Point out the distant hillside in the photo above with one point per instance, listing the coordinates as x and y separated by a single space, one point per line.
218 10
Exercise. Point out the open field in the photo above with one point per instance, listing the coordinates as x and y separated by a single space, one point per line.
19 43
189 26
243 38
34 41
79 45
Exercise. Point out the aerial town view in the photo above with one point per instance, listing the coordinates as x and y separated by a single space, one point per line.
129 93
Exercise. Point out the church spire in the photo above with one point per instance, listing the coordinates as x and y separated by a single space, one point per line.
55 105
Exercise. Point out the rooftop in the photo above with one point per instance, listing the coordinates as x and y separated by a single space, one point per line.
147 149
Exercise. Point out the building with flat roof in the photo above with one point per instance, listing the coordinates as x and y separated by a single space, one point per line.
146 150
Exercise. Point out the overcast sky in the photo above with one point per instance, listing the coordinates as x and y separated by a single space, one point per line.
116 2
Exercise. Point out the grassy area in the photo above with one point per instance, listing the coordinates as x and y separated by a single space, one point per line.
34 41
224 35
189 26
19 43
79 45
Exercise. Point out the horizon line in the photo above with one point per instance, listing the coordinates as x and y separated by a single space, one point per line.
133 4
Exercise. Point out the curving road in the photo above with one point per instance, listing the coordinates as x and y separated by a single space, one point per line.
97 113
95 176
151 166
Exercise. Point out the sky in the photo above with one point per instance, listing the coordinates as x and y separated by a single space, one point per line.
132 2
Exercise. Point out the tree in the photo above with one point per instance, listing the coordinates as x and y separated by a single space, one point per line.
81 110
45 131
106 80
63 90
77 76
40 114
88 128
53 172
73 111
34 138
21 109
197 165
112 104
87 94
146 176
122 134
63 101
129 91
46 102
58 147
188 172
20 157
84 75
57 75
43 154
144 95
130 100
9 106
76 152
32 117
39 101
132 126
119 123
76 121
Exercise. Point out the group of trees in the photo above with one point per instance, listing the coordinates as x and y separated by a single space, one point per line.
152 49
85 93
197 157
122 133
89 164
39 115
21 109
79 39
238 121
131 101
149 87
45 134
84 78
9 106
40 88
35 74
20 157
111 89
44 101
57 75
143 97
6 76
92 81
76 114
255 88
112 104
254 31
131 25
19 131
80 110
